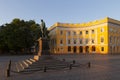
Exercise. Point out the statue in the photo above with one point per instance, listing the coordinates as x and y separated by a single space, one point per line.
43 29
42 26
43 42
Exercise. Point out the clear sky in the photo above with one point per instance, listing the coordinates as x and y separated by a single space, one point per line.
51 11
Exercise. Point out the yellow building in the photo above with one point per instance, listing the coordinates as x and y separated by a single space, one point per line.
99 36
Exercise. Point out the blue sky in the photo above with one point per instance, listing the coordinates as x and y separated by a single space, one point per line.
51 11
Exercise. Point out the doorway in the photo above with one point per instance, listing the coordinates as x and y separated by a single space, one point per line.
80 49
74 49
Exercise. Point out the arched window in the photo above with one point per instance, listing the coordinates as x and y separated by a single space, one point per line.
74 49
93 48
87 49
69 48
80 49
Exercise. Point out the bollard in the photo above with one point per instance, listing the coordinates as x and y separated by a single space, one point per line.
8 73
10 65
70 67
89 64
9 69
45 68
73 61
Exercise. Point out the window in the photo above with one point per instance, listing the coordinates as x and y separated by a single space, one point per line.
102 48
86 41
61 32
93 48
102 29
86 32
61 49
102 39
68 33
74 33
69 48
61 41
69 41
110 39
58 49
80 32
74 41
93 41
80 41
93 31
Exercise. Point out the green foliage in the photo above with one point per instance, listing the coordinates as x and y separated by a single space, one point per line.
19 35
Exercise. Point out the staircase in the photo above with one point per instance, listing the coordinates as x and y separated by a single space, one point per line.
44 64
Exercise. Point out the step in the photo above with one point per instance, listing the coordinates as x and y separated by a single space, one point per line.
29 70
32 60
29 61
41 66
25 64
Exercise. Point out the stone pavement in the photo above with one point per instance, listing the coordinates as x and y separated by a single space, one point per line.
104 67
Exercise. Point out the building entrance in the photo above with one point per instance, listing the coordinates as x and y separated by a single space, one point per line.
87 49
74 49
80 49
93 49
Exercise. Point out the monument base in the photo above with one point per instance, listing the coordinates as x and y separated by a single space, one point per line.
43 48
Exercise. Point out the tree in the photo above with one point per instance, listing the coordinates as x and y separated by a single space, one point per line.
19 35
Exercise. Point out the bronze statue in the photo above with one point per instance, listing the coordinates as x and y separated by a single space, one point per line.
43 29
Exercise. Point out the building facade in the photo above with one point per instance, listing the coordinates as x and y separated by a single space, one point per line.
99 36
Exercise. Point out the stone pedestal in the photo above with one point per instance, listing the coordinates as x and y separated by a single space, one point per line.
43 48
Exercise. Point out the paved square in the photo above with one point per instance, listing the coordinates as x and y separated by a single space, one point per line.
103 67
